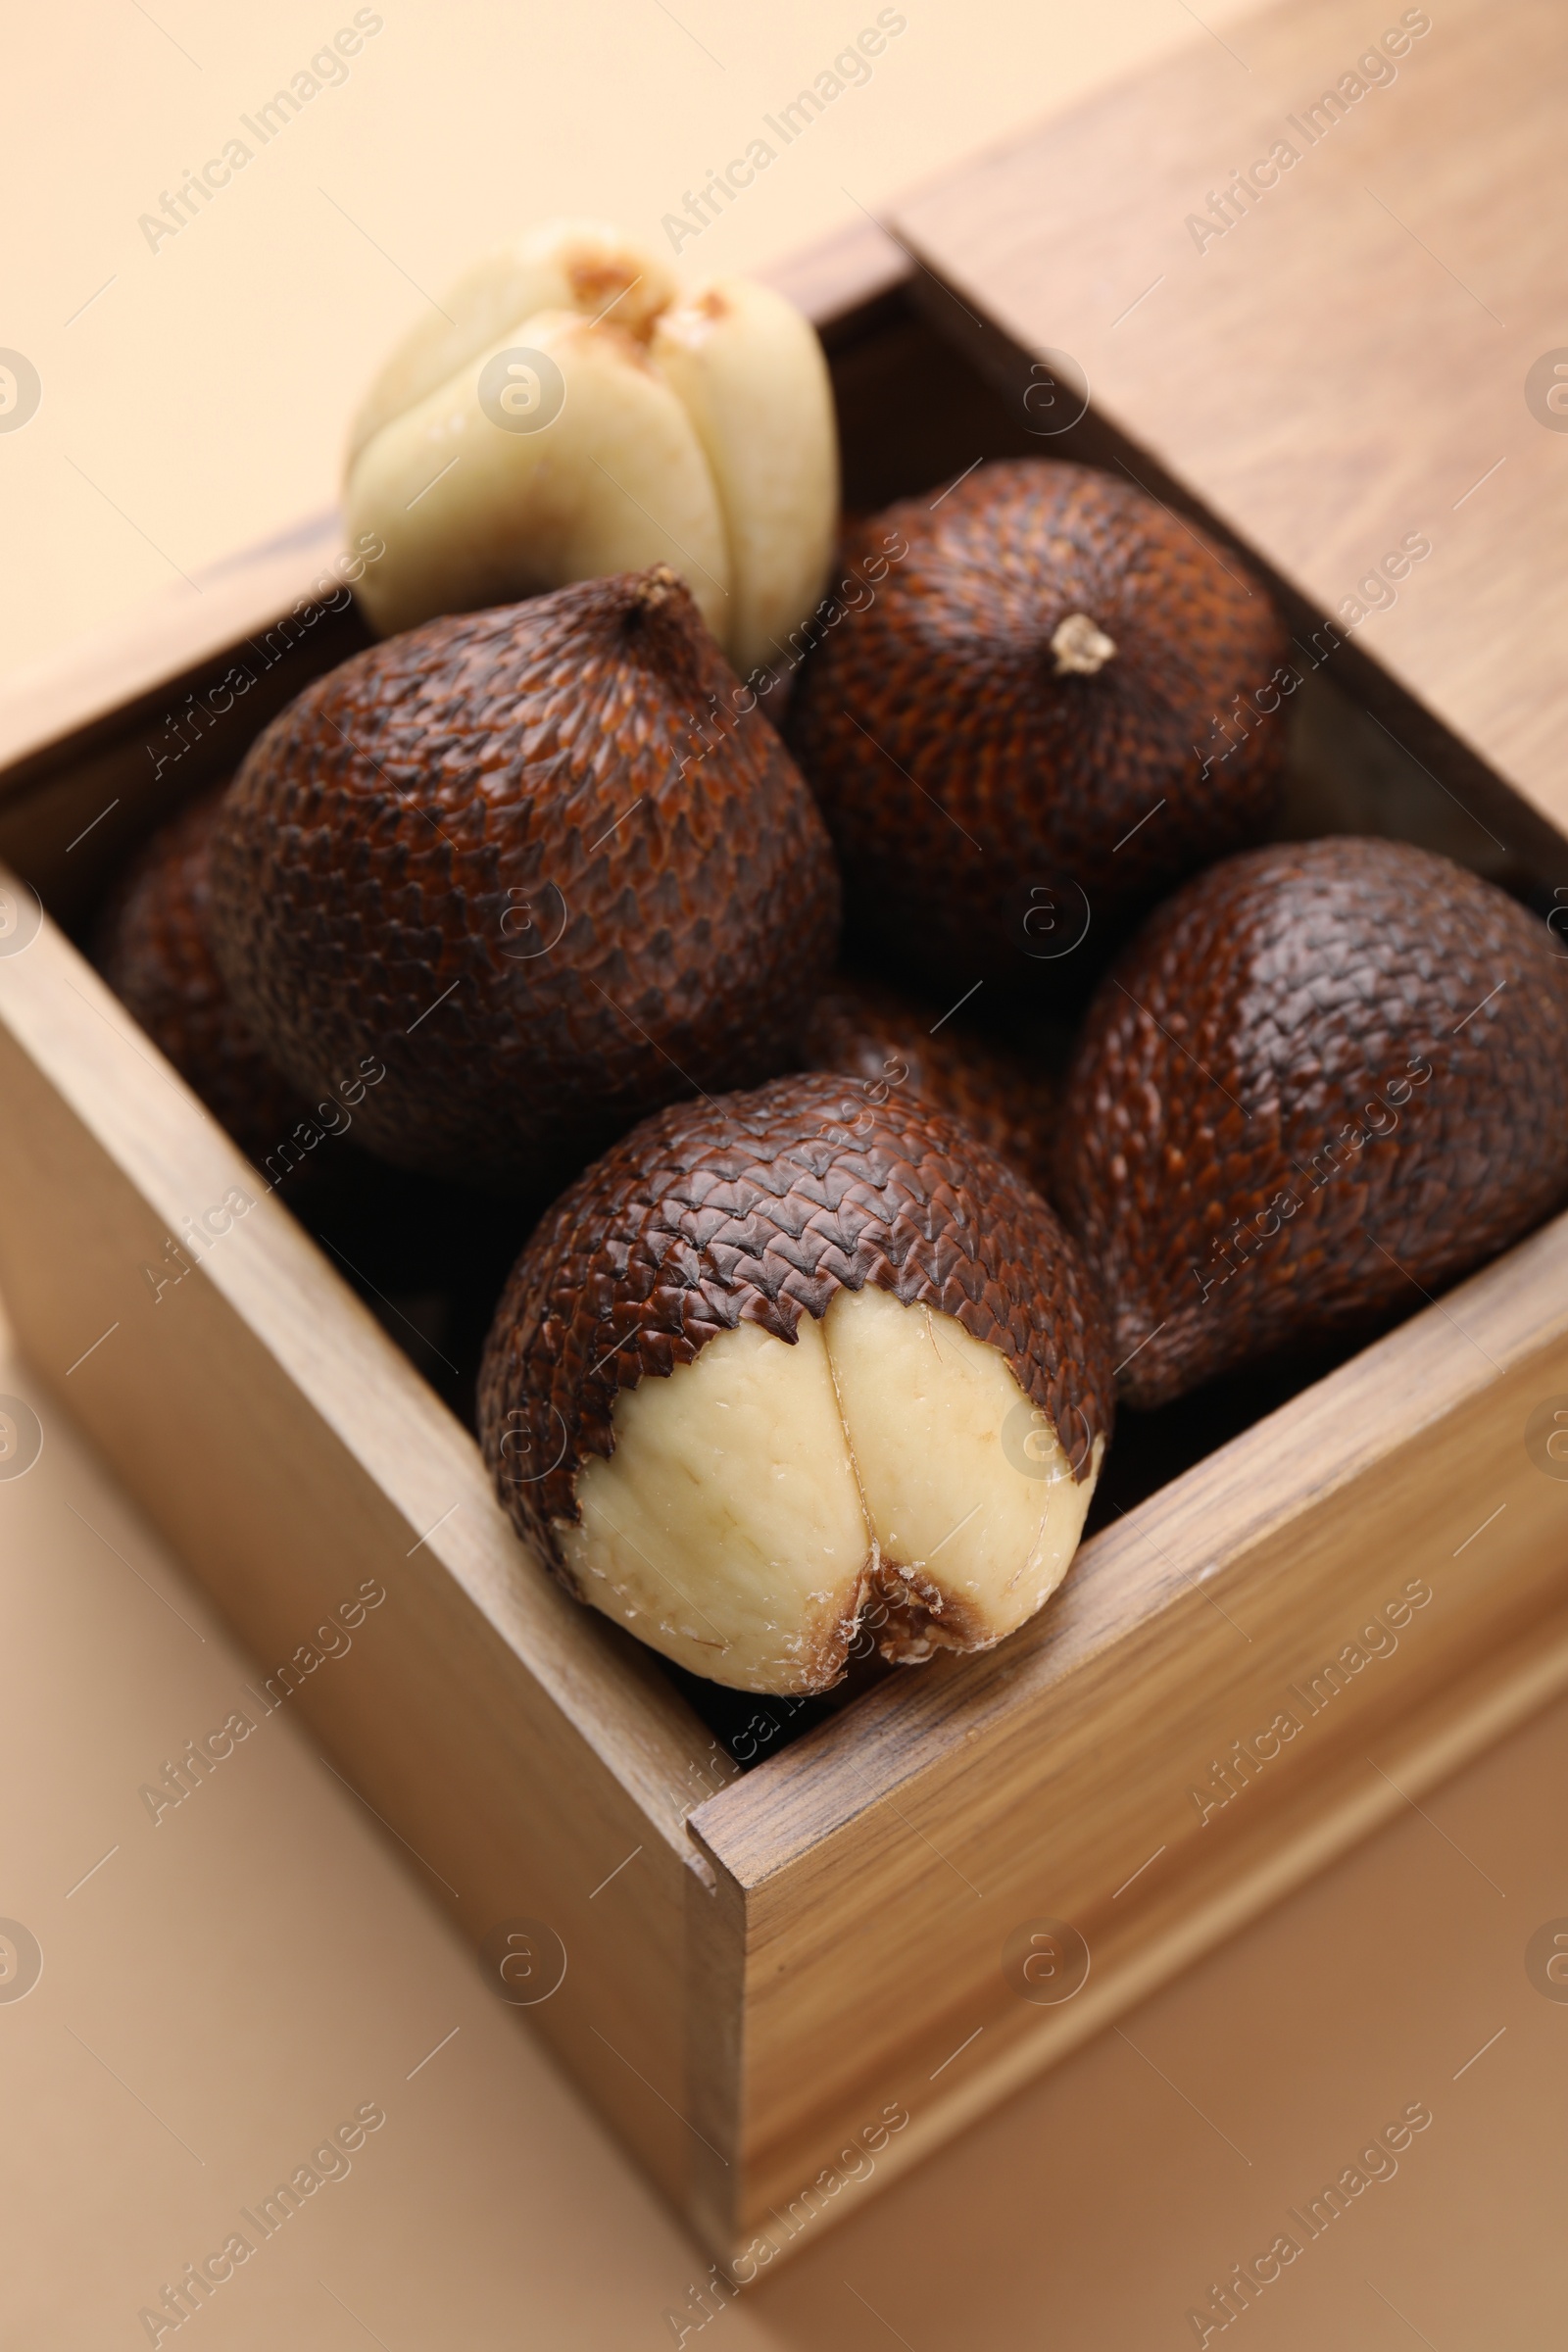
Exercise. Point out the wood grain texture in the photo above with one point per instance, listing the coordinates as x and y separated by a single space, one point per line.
985 2052
1345 363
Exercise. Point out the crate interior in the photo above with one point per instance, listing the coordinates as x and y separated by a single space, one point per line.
429 1259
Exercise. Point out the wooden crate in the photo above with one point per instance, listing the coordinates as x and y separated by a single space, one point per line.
780 1982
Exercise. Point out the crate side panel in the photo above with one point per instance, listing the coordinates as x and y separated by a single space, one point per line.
517 1754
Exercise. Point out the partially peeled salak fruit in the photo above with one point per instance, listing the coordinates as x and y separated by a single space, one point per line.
792 1360
570 413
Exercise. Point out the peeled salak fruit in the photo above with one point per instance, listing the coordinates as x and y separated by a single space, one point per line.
512 855
867 1030
793 1358
573 414
1019 736
1325 1080
153 946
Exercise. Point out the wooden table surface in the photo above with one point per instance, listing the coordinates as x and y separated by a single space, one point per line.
225 1986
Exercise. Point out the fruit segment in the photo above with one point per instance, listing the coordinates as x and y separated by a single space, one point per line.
797 1364
572 418
972 1502
582 266
752 376
726 1528
471 515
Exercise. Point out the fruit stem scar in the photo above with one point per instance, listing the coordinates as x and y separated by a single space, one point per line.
951 1532
1081 647
620 295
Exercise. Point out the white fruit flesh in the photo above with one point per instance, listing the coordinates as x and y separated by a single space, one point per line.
725 1528
469 516
752 376
764 1496
964 1483
582 266
700 434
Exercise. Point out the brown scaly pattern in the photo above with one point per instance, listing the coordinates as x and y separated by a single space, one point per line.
503 853
1251 1155
863 1029
152 946
959 774
759 1208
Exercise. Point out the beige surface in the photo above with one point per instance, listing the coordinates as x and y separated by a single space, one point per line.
232 1983
201 403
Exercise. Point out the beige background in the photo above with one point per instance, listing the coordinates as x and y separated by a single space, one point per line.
227 1987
